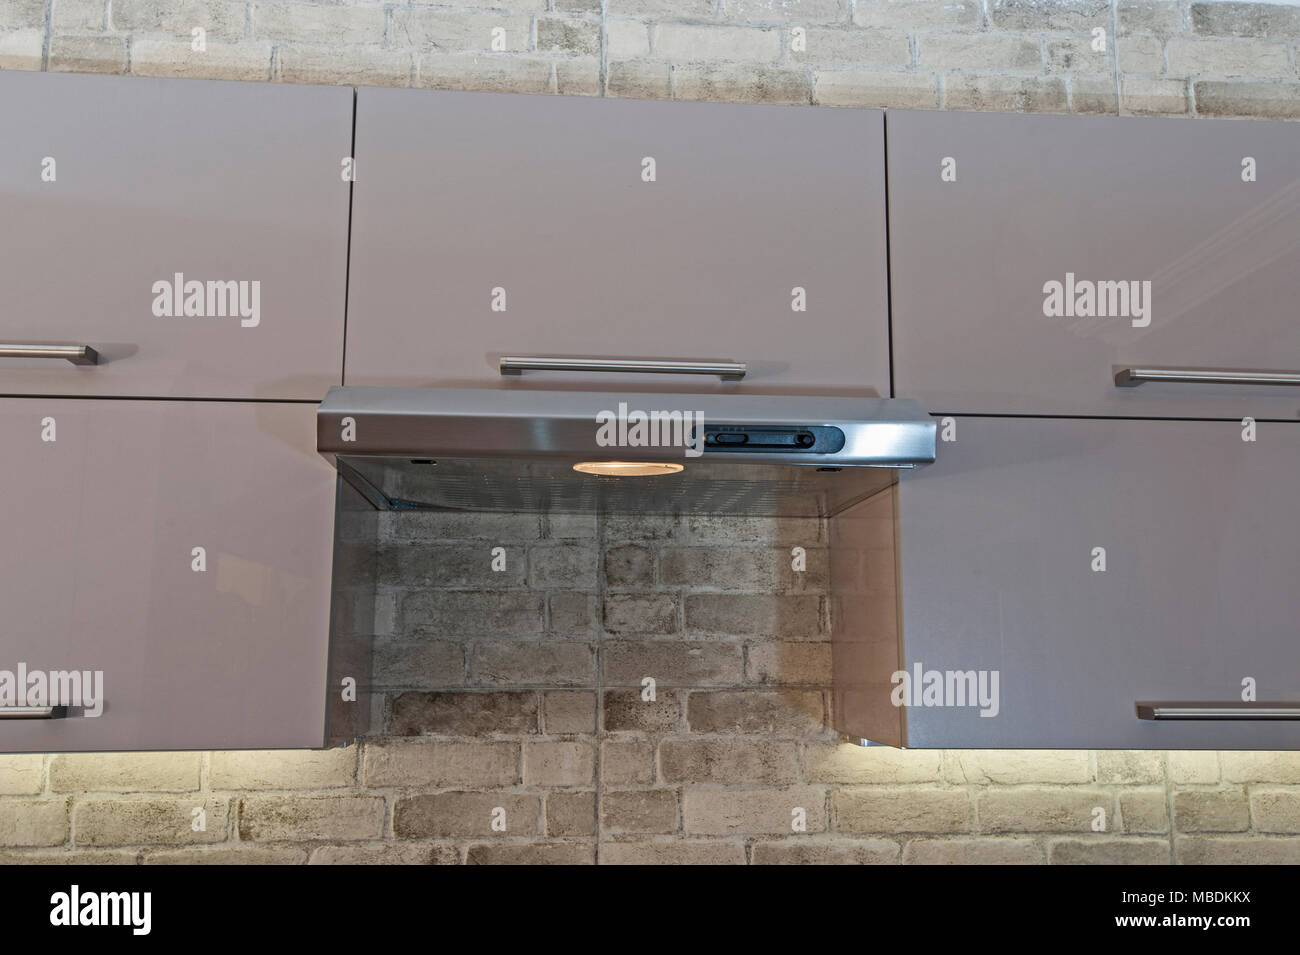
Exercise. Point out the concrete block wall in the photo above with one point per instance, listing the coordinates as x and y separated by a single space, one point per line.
513 727
1152 57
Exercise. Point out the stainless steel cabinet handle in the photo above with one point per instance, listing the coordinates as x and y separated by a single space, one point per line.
726 370
33 712
1218 711
77 354
1130 376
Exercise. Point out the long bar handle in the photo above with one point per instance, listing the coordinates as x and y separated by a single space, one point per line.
726 370
1130 376
32 712
1218 711
77 354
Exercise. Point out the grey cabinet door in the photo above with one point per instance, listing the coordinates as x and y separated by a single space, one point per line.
99 570
1201 538
468 202
1081 201
109 185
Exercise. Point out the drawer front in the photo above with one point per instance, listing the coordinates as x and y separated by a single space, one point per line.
1083 201
1201 541
99 572
494 225
113 187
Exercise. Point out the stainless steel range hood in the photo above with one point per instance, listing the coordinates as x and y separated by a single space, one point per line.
515 450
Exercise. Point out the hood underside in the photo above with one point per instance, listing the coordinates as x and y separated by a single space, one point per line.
515 450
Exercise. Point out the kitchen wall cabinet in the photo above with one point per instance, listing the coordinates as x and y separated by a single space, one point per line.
986 209
1001 549
109 185
105 505
489 225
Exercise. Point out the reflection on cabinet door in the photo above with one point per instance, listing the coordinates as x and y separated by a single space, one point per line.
180 549
192 233
489 226
1095 564
1033 257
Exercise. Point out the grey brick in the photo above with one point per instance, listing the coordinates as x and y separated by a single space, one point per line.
785 712
917 14
625 711
637 79
817 852
450 565
692 852
467 714
1265 100
459 31
533 853
492 72
460 814
1102 851
1262 20
220 19
559 763
1075 16
1006 93
553 663
728 761
740 83
627 763
568 711
672 663
1149 16
440 764
291 818
572 566
443 612
571 814
790 617
643 810
893 810
418 664
629 566
386 853
640 613
572 614
734 811
572 36
789 664
963 851
864 88
743 568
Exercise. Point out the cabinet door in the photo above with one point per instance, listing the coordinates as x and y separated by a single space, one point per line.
1082 201
100 570
490 225
1000 563
109 185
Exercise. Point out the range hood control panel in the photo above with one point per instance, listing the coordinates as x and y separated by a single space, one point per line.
761 439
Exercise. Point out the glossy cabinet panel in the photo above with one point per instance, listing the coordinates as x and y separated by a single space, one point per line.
494 225
1156 207
109 185
220 648
1001 545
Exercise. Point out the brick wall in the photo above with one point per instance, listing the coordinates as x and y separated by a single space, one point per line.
516 694
1165 57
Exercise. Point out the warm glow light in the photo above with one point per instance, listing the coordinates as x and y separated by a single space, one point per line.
627 468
